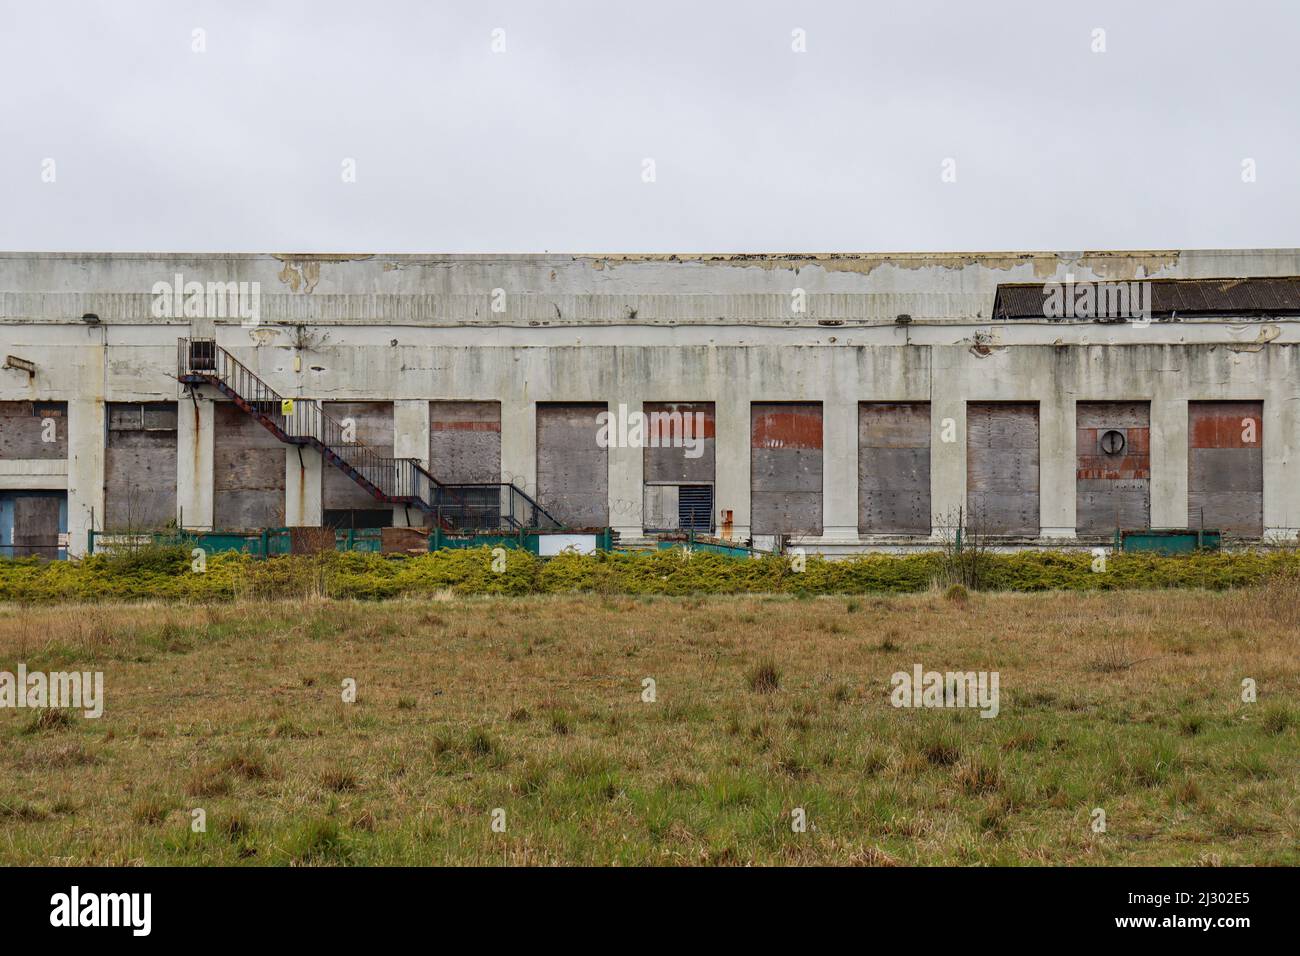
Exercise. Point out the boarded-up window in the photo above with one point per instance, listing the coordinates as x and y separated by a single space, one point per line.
33 430
572 466
1002 468
1225 467
894 468
679 462
785 463
140 466
1113 467
363 423
31 522
247 472
465 441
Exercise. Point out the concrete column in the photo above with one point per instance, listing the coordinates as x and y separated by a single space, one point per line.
731 444
840 470
1169 462
519 444
410 440
626 474
195 443
1281 430
302 487
86 434
947 458
1056 466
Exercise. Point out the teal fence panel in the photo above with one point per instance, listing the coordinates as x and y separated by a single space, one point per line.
1172 541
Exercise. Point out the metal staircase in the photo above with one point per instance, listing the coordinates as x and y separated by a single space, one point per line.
475 506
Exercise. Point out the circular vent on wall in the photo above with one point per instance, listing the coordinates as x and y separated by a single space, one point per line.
1112 442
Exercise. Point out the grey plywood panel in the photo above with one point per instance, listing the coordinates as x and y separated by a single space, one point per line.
894 468
1004 514
160 416
372 426
26 426
1002 467
894 512
36 525
465 441
125 415
1004 471
894 424
139 480
1102 505
1002 425
1225 470
786 470
786 512
248 469
1238 513
572 468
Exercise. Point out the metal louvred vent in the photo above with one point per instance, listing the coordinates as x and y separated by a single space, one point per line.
695 507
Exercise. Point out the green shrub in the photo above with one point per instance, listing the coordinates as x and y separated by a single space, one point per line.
165 574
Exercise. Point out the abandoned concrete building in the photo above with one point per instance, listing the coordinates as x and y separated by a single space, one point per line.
843 402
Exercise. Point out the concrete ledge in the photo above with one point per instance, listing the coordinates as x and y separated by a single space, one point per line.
25 473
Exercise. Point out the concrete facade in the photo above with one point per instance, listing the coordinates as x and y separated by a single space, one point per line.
529 332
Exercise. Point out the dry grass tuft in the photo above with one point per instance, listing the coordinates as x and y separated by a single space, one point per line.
763 677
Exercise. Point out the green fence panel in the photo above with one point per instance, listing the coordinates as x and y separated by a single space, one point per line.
1176 541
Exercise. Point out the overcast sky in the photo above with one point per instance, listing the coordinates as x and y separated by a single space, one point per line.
544 146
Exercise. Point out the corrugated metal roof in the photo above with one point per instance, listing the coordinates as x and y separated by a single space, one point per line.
1168 297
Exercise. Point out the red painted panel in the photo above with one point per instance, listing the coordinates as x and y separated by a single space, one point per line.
1226 424
654 427
798 426
1125 468
1134 464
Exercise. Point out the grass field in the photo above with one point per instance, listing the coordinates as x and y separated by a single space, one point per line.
1129 702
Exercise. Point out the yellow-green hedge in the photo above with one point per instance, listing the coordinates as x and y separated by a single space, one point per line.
165 574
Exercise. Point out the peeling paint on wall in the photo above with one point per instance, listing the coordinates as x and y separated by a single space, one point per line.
302 276
1109 265
1262 337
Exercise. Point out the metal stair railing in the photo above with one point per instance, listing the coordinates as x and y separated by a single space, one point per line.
302 422
469 506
